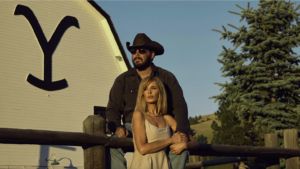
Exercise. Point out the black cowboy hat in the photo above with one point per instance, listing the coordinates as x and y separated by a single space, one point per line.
142 40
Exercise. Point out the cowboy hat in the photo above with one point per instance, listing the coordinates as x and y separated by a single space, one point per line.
142 40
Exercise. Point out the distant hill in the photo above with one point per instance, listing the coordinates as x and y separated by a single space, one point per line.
204 126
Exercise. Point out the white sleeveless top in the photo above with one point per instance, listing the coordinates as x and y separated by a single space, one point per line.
158 160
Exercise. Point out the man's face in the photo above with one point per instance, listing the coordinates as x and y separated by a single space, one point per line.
141 58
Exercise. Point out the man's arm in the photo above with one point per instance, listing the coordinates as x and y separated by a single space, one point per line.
178 105
115 104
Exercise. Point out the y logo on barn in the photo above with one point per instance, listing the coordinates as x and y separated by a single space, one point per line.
47 47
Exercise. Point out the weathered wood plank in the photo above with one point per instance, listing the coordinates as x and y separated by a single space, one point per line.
94 157
290 137
271 140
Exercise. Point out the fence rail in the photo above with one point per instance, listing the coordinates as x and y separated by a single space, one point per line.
46 137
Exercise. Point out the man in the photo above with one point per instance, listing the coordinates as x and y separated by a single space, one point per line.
123 96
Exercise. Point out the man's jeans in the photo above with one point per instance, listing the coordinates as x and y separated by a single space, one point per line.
119 162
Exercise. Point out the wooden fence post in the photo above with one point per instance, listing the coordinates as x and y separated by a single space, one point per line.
271 140
94 157
290 137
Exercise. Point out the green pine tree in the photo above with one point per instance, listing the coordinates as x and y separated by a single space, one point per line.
262 93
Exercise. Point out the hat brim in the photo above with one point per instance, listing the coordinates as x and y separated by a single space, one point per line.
154 46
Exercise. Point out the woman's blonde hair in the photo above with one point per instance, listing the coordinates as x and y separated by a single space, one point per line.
141 105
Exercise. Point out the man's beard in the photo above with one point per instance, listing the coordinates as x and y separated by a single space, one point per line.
147 63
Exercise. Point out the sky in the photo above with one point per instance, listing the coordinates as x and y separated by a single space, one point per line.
185 31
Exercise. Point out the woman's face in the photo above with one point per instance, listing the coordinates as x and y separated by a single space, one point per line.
151 93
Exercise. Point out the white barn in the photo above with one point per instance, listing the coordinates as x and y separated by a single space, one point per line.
58 61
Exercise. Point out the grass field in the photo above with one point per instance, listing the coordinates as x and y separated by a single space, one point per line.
204 127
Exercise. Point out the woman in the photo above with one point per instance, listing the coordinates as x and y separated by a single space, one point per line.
151 127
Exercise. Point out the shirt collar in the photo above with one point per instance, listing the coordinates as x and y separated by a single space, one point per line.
133 72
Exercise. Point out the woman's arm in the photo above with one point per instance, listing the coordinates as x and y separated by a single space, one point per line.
182 145
139 136
171 122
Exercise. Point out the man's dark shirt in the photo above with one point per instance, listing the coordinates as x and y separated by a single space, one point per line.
123 94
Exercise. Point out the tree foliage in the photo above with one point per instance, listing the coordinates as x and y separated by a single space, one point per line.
262 93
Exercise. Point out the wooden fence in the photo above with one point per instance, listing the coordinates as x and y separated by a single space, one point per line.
95 143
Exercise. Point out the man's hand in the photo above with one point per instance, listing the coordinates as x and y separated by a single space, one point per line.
179 137
178 147
121 132
184 137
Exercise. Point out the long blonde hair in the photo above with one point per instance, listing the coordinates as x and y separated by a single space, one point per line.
141 105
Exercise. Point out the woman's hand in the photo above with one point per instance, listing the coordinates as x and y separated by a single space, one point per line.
178 147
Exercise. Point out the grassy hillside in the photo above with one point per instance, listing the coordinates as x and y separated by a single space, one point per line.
203 126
